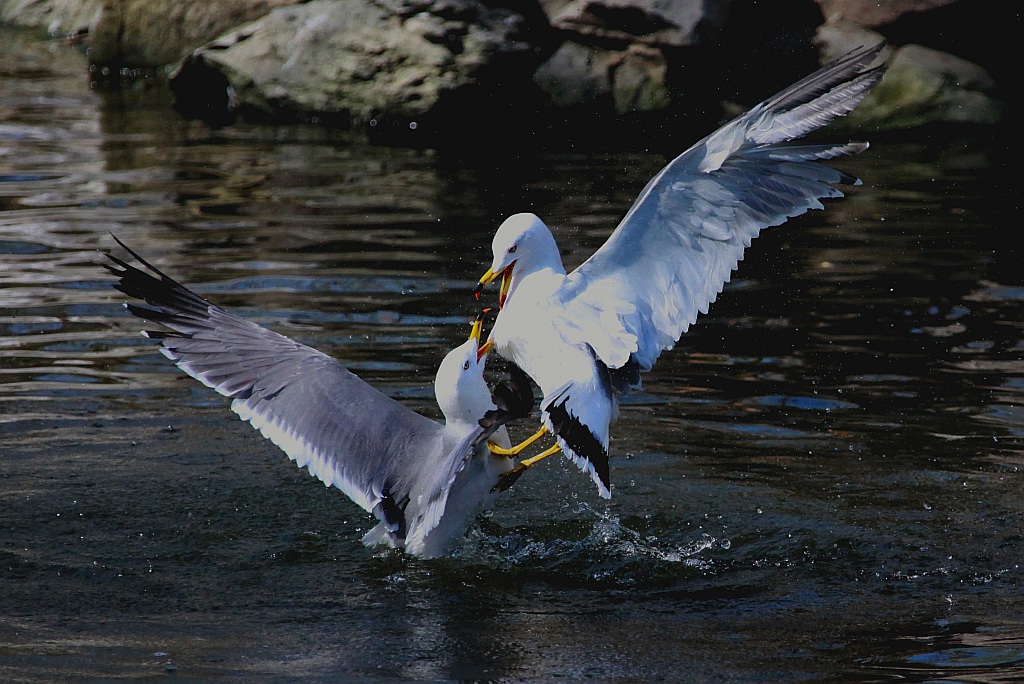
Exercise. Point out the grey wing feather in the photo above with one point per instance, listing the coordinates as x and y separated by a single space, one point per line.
435 489
677 246
323 417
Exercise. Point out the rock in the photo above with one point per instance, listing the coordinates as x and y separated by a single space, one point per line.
673 23
638 80
459 61
925 86
353 59
835 40
874 13
629 80
921 87
576 75
616 59
63 18
154 33
136 33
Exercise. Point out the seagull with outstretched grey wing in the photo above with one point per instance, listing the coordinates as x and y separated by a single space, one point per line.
586 335
423 480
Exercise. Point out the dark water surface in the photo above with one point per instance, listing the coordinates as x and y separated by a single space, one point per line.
822 483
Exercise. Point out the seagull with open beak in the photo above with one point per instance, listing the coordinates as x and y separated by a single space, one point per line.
587 335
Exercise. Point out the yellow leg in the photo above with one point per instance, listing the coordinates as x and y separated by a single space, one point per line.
514 451
509 478
551 451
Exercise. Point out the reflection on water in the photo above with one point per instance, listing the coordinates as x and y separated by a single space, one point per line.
822 481
960 652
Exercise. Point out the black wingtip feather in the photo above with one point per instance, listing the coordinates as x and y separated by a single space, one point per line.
157 288
580 439
137 257
154 315
830 75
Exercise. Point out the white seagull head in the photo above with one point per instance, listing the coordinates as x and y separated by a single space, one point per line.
459 386
522 245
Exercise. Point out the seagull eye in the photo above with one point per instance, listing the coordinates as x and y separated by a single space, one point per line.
465 366
512 249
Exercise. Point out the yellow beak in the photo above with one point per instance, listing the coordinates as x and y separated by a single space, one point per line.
474 334
484 350
506 282
478 325
485 280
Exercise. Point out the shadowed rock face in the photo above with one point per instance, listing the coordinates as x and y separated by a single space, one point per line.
921 87
874 13
354 59
143 33
657 22
457 64
927 86
634 78
60 18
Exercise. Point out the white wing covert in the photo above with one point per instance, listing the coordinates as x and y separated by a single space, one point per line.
677 246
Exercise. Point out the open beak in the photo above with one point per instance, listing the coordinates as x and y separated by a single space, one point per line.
506 282
474 334
483 351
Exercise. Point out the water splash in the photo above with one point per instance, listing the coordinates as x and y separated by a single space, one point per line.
625 542
595 546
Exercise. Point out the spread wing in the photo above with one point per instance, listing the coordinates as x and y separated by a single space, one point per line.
680 241
346 433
